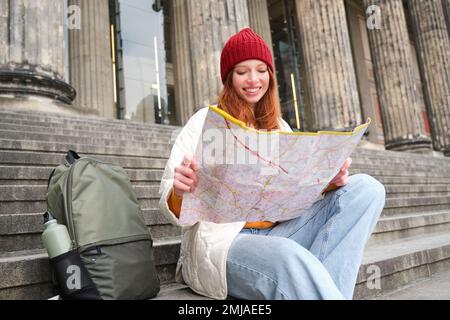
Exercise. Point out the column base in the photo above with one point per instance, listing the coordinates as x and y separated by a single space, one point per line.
25 82
446 152
36 104
418 144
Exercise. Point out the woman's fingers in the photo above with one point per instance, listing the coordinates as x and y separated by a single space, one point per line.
186 162
184 179
342 179
342 182
187 172
194 165
180 188
346 164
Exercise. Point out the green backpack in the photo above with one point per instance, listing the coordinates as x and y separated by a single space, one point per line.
96 202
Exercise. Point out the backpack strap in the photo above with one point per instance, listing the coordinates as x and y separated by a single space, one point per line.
71 157
50 178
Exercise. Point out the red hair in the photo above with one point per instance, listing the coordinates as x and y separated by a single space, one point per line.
266 113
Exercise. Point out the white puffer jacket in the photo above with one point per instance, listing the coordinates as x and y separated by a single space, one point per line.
204 246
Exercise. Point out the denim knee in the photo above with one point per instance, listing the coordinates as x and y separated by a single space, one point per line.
296 272
371 187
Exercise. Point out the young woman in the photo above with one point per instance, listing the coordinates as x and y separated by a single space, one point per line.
314 256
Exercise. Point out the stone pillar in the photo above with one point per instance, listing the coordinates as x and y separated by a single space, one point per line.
258 16
433 51
446 6
32 54
403 124
181 57
201 29
90 59
330 73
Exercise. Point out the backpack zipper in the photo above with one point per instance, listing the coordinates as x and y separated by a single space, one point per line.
69 206
69 200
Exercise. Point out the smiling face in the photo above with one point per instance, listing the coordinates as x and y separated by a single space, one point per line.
251 80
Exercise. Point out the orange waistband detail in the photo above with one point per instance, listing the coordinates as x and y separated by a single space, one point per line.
259 224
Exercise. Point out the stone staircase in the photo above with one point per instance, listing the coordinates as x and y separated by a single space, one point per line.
411 240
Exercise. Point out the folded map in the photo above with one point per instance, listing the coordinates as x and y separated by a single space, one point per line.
253 175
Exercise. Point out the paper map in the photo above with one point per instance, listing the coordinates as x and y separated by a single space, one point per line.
250 175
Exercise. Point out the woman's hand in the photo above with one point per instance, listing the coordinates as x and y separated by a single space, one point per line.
185 179
341 179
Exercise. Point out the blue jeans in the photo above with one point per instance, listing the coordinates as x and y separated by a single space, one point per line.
314 256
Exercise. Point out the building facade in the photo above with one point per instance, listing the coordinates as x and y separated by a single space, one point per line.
157 61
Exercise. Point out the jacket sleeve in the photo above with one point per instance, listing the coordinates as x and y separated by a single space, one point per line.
185 143
285 126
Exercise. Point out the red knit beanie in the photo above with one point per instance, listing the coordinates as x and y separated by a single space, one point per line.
244 45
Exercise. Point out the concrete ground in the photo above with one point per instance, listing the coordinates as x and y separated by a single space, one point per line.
434 288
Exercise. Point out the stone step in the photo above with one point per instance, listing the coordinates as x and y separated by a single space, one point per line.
396 263
387 166
432 288
22 271
84 129
401 226
400 155
18 174
360 151
16 124
18 199
29 223
51 159
416 204
38 192
435 287
159 150
417 190
108 139
409 178
22 231
393 265
32 198
32 175
14 207
24 223
155 147
10 242
47 117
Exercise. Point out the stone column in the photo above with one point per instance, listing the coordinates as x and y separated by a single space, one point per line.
90 59
446 6
329 69
433 51
181 57
32 54
258 16
201 29
403 123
